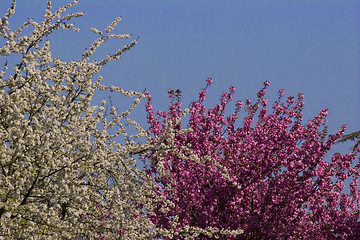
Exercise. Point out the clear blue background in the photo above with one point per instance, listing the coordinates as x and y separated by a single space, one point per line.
307 46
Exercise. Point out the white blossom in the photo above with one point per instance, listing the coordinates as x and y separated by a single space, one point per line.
58 153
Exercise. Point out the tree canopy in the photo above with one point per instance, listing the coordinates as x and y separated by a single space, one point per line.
70 169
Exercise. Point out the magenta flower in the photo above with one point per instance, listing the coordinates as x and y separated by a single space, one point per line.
268 175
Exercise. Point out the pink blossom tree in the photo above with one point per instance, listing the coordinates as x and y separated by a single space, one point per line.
266 179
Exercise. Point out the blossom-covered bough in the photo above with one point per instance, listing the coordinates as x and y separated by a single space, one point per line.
68 169
61 161
265 179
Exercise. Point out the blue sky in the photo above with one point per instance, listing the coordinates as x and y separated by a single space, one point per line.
307 46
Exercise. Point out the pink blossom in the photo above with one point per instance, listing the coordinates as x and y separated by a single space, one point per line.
278 184
281 92
239 104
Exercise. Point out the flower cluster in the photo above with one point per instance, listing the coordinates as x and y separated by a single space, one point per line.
69 169
60 157
265 179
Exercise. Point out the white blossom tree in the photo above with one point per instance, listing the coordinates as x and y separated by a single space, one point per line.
64 172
